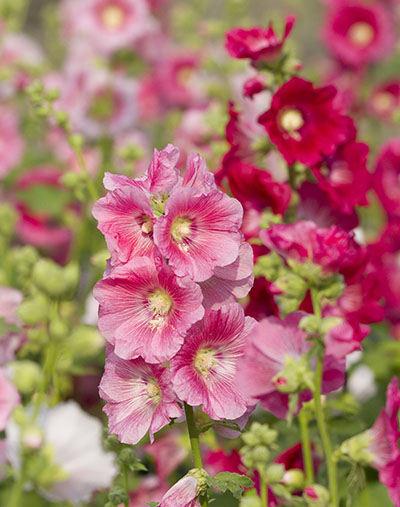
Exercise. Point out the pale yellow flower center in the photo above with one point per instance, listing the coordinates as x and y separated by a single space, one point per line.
205 360
180 229
361 34
153 390
147 226
160 302
112 17
292 120
383 101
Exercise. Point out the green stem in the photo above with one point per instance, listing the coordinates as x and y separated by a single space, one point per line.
16 492
306 447
195 445
264 490
125 477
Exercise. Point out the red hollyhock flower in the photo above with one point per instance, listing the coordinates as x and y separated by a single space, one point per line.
359 34
304 122
386 178
253 86
257 43
345 177
384 101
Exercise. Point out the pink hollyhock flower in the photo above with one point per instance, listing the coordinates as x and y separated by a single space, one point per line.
384 101
258 44
138 396
203 371
304 123
108 25
386 177
9 399
315 207
183 493
11 143
145 310
168 454
346 336
333 249
230 282
358 34
199 232
270 346
344 176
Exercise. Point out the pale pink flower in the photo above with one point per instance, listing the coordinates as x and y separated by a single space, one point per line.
145 310
203 371
11 143
9 399
139 398
182 494
199 232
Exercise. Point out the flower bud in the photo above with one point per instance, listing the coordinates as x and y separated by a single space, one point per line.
356 448
310 324
117 495
292 285
274 473
58 328
294 479
8 219
55 280
26 376
316 496
32 437
34 310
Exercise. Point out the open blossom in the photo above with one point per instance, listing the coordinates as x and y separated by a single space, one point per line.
108 25
199 232
138 396
11 143
386 177
145 310
263 370
75 440
384 101
257 43
344 176
359 33
305 123
333 249
203 371
9 399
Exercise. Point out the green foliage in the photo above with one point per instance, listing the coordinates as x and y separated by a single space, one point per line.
227 481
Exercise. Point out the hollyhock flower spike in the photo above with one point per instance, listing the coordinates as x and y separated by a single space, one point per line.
138 396
203 371
274 365
257 44
359 33
145 310
305 123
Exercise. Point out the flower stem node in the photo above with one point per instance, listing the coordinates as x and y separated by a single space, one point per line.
316 496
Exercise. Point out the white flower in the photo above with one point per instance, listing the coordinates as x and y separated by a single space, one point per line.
361 383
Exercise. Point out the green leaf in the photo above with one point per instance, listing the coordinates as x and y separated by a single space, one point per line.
235 483
153 504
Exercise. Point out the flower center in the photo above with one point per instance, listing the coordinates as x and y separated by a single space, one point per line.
180 229
112 16
160 302
383 102
291 121
147 225
103 105
361 34
205 360
153 390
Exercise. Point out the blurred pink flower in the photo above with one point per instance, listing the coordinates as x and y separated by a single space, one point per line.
9 399
11 142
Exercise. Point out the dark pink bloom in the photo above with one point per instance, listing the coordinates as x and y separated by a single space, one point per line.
344 176
384 101
346 336
9 399
358 33
145 310
332 248
253 86
386 177
261 300
269 346
315 206
199 232
182 493
230 282
304 122
257 44
203 371
384 447
11 143
222 461
139 398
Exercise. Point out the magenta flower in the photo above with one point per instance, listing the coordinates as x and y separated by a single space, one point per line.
145 310
257 43
126 219
305 123
138 396
358 34
203 371
386 177
384 101
199 232
183 493
270 346
9 399
346 179
230 282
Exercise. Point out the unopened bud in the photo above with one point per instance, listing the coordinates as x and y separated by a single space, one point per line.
25 375
316 496
274 473
294 479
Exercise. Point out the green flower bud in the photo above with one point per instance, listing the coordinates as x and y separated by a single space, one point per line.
310 272
71 179
295 376
310 324
329 322
32 437
76 141
52 94
8 219
356 448
33 310
294 479
274 473
117 495
260 454
54 280
58 328
268 266
84 341
26 375
292 285
127 456
316 496
99 259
